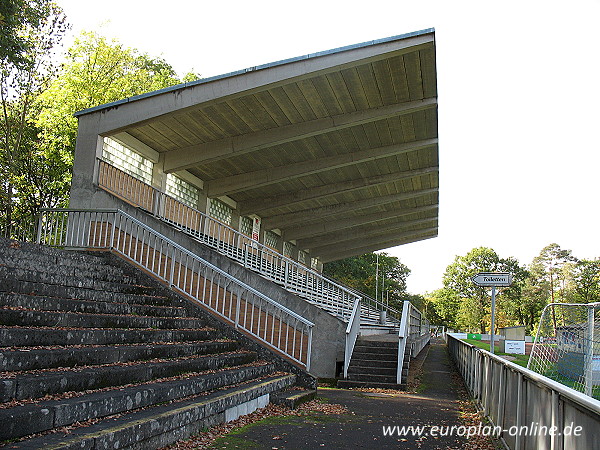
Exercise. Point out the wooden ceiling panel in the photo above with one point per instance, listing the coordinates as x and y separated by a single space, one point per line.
354 86
370 85
342 94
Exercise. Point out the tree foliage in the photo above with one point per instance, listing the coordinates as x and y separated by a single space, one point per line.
19 20
586 280
474 309
27 172
361 273
38 127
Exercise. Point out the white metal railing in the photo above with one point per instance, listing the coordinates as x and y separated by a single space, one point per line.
529 410
413 332
294 276
352 332
245 308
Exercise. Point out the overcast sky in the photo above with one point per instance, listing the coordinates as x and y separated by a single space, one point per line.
518 93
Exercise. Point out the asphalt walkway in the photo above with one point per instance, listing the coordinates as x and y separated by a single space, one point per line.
436 403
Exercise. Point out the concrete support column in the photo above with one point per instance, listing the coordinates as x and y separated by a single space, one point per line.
202 204
85 172
159 177
235 219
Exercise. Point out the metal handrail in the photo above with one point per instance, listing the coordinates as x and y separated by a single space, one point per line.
352 331
413 328
320 290
115 230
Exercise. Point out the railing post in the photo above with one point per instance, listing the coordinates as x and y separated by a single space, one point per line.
309 348
38 238
112 231
237 308
172 275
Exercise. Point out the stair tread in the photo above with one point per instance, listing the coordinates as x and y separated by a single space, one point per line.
136 425
117 400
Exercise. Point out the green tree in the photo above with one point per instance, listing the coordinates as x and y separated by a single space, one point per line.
446 304
474 309
554 264
39 129
361 273
96 71
586 278
18 18
27 68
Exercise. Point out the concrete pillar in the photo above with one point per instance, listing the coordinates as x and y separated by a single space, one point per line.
235 219
159 177
87 148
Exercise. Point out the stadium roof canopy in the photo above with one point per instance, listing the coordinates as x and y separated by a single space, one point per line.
338 150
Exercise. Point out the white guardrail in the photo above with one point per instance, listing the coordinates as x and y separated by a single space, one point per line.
352 332
529 410
241 305
294 276
413 332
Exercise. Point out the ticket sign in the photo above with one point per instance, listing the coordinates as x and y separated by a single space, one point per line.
493 279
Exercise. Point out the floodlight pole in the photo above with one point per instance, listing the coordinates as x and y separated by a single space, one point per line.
493 319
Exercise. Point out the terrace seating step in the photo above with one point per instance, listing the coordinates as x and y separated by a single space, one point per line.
92 346
294 397
162 425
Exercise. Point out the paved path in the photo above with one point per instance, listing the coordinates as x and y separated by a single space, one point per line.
436 403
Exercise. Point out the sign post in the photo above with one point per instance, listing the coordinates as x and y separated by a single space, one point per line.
493 280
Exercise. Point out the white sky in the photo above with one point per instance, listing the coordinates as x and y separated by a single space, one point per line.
518 92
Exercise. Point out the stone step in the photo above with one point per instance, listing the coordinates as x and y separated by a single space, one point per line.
55 290
52 382
10 250
31 337
44 303
294 397
17 276
375 343
367 355
163 425
35 359
43 416
71 265
12 317
361 348
361 370
372 363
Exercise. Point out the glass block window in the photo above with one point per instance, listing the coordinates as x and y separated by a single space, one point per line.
314 262
301 257
220 211
246 225
288 249
182 190
127 160
271 239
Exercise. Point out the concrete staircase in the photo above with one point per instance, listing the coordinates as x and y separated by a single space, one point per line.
96 354
374 363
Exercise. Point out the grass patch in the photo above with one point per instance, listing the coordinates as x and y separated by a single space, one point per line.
521 360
